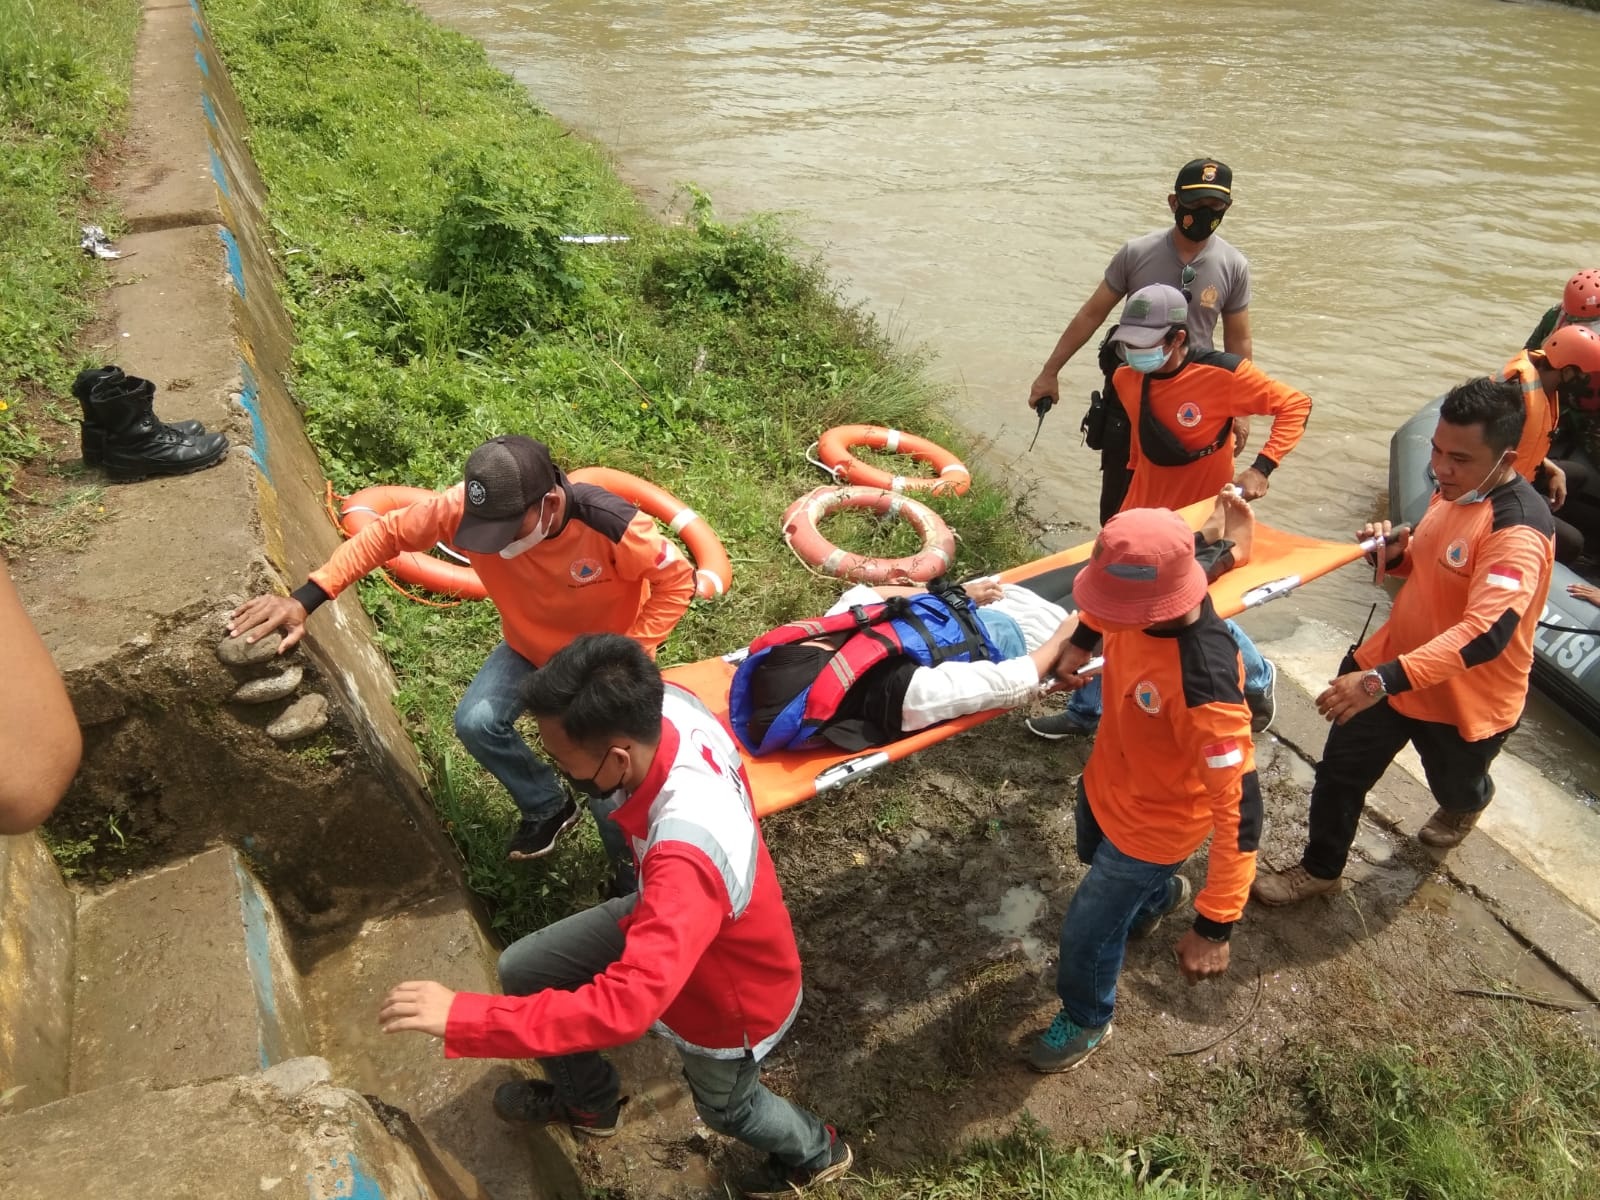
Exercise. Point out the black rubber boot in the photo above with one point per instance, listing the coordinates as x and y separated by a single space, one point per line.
137 445
92 428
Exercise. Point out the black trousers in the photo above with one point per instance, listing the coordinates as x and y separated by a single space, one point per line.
1357 754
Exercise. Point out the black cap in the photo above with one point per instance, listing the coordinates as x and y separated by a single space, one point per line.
1205 179
505 478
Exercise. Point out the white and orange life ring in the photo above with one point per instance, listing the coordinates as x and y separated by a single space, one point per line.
801 532
436 574
713 574
951 478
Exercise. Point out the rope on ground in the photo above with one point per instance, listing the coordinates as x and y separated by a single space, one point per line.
1255 1001
1539 1001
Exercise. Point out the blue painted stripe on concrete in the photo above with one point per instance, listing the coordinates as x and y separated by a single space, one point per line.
258 956
205 67
220 174
199 31
209 109
250 400
235 262
195 5
350 1181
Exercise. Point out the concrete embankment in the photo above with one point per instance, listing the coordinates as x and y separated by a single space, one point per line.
260 886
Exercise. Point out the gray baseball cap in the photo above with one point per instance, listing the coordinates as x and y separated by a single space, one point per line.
1148 314
505 477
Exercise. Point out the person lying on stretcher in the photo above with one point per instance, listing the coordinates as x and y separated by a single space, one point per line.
885 661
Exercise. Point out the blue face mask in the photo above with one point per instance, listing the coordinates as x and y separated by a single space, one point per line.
1144 361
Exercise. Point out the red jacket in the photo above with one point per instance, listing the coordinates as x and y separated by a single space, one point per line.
709 960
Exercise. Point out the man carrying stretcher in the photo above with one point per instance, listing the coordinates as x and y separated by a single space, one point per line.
885 662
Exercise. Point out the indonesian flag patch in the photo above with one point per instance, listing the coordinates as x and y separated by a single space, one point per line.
667 553
1224 754
1504 575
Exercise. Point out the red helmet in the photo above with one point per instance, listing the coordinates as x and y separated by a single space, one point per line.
1581 300
1573 346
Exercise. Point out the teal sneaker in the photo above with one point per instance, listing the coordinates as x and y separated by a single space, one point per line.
1178 893
1064 1045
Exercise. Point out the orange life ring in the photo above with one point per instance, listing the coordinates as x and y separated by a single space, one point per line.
801 533
424 570
713 574
833 448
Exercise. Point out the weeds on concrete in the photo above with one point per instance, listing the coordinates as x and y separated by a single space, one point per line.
418 199
64 71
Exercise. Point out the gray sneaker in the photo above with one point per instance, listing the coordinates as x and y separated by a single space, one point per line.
1057 725
1178 893
1264 705
1064 1045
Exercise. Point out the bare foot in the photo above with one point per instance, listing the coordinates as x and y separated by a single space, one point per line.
1216 522
1239 523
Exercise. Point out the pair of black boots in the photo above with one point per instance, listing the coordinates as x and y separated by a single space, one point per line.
122 433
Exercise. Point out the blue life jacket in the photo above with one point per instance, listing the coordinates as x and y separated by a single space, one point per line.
929 628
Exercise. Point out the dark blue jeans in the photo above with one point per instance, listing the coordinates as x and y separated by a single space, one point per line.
1117 892
486 724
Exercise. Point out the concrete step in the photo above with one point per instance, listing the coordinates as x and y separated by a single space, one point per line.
286 1134
182 975
450 1100
36 920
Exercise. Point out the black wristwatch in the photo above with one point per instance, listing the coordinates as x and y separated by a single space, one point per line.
1372 684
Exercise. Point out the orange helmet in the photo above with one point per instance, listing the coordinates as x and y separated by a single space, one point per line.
1573 346
1581 300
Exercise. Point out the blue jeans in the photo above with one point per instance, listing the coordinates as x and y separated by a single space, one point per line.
1117 892
486 724
1086 703
728 1092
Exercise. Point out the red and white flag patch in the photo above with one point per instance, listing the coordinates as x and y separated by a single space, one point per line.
1223 754
667 553
1504 575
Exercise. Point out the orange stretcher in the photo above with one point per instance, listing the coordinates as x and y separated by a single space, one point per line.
1279 563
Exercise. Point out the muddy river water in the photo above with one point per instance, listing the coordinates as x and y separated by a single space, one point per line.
1414 181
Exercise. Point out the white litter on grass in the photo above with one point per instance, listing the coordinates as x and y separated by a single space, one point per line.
594 239
95 242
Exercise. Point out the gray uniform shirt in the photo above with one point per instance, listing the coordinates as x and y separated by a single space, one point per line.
1221 278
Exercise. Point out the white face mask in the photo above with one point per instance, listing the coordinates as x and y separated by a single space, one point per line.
523 545
1477 495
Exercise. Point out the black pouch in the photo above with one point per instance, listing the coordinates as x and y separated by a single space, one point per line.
1093 425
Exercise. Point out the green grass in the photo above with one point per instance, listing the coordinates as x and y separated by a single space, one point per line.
423 194
1507 1111
64 71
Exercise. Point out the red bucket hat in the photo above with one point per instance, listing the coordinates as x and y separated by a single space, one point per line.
1142 571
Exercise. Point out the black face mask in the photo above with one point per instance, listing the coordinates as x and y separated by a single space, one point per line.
1197 224
1576 393
590 788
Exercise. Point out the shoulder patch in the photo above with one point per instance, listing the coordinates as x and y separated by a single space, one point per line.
605 512
1220 359
1517 503
1209 660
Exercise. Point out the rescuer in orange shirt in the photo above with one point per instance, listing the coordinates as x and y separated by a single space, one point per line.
1448 671
1173 764
558 559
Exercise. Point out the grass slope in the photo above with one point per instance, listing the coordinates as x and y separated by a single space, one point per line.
64 72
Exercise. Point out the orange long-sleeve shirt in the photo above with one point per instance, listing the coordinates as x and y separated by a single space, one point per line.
1173 761
607 570
1196 405
1458 645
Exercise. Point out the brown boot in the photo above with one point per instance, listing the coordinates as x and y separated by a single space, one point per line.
1446 829
1291 886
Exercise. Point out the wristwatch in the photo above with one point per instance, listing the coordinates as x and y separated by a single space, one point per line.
1372 684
